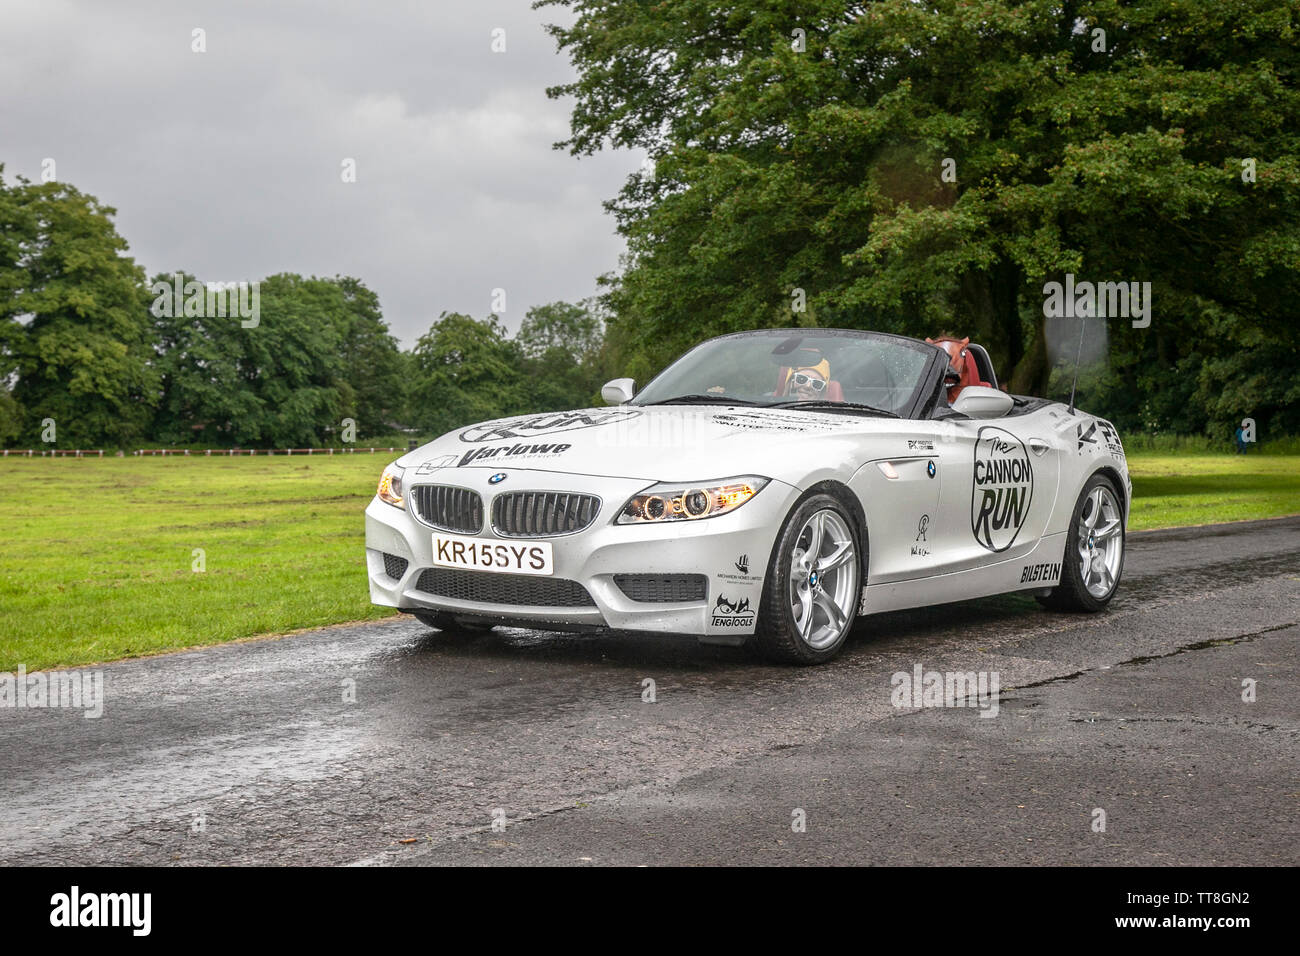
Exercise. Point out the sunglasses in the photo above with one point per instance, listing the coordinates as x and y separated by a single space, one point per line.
801 379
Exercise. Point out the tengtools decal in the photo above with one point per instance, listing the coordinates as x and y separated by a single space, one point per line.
547 424
732 613
1003 487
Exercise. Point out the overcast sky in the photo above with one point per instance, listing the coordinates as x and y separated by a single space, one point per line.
228 163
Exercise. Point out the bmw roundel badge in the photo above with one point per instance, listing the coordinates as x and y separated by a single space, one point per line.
496 479
929 468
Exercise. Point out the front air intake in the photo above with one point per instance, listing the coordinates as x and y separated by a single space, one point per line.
490 587
394 566
663 588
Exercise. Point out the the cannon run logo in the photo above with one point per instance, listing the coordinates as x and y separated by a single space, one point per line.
547 424
1003 487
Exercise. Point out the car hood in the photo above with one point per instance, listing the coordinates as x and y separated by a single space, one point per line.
656 443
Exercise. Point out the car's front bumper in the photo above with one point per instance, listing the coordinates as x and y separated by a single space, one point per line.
731 551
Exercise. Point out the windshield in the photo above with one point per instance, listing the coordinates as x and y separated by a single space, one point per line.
786 366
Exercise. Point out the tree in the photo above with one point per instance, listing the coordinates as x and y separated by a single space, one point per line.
206 396
280 382
74 331
292 362
562 347
573 329
372 362
17 228
85 343
465 370
914 166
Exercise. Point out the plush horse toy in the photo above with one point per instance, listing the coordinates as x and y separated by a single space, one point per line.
960 361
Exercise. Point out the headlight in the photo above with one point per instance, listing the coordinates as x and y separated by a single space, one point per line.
390 486
678 501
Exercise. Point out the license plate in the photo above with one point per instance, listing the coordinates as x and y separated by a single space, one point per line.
476 554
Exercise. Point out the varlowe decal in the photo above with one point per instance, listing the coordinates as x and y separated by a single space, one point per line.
1002 489
547 424
1040 572
732 614
507 451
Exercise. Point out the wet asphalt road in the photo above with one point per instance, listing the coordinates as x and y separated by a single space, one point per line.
248 753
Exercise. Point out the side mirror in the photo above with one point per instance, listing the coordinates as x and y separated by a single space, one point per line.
979 401
618 391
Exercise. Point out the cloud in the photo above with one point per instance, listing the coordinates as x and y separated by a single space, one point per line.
227 163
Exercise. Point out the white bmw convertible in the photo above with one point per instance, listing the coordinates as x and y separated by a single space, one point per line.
768 486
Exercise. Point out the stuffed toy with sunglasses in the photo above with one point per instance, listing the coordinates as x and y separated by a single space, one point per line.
808 383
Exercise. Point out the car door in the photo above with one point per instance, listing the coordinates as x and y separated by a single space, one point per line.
1000 479
901 495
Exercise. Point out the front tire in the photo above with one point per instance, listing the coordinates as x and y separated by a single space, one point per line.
1094 550
810 598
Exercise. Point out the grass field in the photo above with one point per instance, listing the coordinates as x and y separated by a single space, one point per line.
1174 490
98 554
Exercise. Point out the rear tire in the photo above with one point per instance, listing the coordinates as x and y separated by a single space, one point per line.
1094 550
810 598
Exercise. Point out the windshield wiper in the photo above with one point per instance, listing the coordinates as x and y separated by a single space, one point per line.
702 400
828 405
